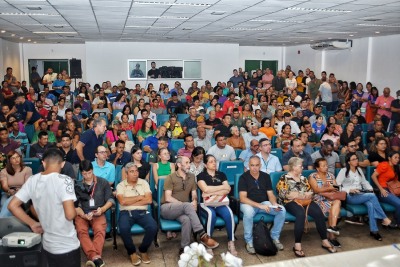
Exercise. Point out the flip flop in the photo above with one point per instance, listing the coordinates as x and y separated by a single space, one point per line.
169 235
174 235
298 253
330 249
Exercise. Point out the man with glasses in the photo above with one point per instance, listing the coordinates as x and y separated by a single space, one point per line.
221 151
352 147
94 198
269 163
134 196
326 152
251 151
103 168
179 188
256 196
297 150
253 134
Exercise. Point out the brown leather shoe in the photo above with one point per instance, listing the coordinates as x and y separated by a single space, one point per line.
145 258
135 259
208 241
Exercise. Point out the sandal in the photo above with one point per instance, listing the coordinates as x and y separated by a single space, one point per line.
330 249
174 235
169 235
298 253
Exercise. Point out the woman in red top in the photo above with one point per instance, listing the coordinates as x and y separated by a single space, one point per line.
8 95
387 171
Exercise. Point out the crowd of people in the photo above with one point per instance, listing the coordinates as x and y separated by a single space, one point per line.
83 135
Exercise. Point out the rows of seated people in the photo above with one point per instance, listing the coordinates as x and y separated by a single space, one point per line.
275 119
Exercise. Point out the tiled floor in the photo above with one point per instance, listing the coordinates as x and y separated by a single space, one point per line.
352 237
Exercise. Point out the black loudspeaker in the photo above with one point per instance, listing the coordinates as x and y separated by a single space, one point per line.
75 68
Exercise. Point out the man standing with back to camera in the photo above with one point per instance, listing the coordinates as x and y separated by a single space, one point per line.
53 197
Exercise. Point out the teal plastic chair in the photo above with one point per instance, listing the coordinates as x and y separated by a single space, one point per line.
176 144
115 112
273 141
163 224
231 168
237 153
278 153
33 163
129 134
30 131
182 117
162 118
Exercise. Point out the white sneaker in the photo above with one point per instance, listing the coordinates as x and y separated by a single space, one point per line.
250 249
278 244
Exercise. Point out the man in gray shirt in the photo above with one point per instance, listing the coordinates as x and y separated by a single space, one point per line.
327 153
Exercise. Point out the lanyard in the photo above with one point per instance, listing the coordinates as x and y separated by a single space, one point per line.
266 163
94 187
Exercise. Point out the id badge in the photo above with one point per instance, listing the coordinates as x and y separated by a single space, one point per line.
91 202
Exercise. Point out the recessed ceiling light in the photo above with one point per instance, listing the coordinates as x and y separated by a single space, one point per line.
158 17
277 21
318 10
2 31
311 40
379 25
351 35
218 13
55 32
28 14
35 42
21 38
377 32
29 40
12 35
154 3
330 38
34 7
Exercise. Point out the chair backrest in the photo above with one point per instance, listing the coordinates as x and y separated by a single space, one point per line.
115 112
273 141
370 171
277 152
231 168
337 170
33 163
30 131
129 134
176 144
182 117
275 176
307 173
364 127
364 138
160 191
152 183
237 152
162 118
118 174
236 186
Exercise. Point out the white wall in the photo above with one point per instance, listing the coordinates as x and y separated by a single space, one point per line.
10 57
108 60
374 59
52 51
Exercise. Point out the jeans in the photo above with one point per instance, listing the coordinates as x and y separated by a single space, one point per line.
92 249
225 213
394 201
142 217
69 259
4 213
374 208
248 214
300 213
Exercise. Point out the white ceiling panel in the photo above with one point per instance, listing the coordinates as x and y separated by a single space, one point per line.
206 20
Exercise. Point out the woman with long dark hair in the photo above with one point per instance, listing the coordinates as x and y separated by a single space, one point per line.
379 151
12 178
330 134
146 130
359 191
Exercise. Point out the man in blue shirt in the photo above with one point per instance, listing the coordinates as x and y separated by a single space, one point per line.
26 111
102 168
269 162
236 79
297 150
251 151
120 157
174 103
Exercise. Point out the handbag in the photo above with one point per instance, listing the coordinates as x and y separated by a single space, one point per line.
394 187
216 201
262 241
303 201
338 195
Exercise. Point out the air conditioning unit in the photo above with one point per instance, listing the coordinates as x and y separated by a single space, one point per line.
339 44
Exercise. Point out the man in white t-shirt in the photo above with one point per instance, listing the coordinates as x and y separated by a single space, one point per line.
221 151
49 78
53 197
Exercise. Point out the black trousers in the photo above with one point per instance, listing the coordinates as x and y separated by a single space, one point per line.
69 259
300 213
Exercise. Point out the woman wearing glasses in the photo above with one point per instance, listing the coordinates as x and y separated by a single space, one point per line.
359 191
295 194
214 183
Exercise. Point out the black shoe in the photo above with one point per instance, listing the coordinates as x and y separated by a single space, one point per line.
334 230
354 220
108 237
335 243
376 235
390 226
99 262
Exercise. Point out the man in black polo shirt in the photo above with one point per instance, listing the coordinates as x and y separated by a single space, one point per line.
256 196
225 127
297 150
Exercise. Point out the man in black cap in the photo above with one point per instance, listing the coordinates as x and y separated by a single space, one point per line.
317 111
174 103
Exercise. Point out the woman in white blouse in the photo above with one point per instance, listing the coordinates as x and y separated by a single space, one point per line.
291 83
359 191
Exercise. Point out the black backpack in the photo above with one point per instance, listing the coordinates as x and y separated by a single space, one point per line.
262 241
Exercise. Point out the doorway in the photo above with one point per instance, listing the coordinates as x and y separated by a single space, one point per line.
252 65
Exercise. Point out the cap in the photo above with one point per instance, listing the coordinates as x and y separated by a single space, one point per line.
200 119
318 105
174 94
81 95
237 97
116 122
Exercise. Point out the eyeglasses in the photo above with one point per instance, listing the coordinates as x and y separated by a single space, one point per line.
102 152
